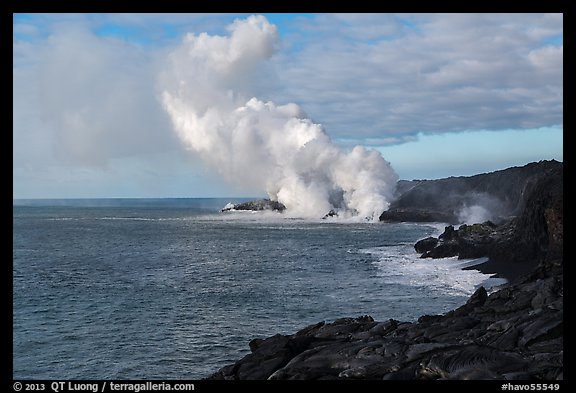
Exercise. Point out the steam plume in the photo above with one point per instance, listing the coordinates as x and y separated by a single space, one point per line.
208 91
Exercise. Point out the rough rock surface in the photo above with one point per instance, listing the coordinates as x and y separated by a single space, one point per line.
503 193
259 205
468 241
513 333
517 246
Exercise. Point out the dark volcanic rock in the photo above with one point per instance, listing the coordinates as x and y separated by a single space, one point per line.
468 241
501 193
259 205
518 246
514 333
331 213
496 336
425 245
418 215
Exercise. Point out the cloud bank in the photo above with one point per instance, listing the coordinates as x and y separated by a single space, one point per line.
85 93
429 73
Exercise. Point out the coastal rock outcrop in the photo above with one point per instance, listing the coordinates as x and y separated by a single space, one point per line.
514 333
517 246
468 241
257 205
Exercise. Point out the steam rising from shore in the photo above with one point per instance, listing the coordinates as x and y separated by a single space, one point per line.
208 89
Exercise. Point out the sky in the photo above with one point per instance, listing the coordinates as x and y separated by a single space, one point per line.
437 95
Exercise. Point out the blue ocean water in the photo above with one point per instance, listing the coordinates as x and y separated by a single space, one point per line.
174 289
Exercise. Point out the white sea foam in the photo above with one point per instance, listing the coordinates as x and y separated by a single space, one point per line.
401 265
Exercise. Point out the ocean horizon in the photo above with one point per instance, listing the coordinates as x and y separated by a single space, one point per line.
131 288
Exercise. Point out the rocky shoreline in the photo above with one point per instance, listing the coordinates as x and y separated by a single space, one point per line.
513 333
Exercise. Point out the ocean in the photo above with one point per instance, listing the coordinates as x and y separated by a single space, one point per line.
175 289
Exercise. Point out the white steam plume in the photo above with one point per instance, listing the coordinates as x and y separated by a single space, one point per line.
208 93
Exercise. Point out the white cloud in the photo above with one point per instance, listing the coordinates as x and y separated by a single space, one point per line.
548 59
88 99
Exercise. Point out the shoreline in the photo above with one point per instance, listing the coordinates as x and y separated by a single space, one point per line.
512 333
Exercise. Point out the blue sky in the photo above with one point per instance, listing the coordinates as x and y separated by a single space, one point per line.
437 95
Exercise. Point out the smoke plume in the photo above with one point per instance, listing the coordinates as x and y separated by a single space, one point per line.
209 90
